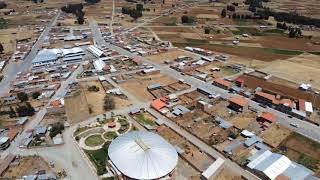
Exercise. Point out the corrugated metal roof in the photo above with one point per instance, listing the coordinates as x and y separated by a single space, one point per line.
143 155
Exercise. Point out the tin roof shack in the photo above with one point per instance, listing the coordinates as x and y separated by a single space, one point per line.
221 83
238 104
180 110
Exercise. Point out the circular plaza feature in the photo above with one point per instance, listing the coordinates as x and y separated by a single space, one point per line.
143 155
94 140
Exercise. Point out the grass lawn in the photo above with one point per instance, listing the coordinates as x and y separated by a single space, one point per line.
142 120
110 135
3 23
80 130
94 140
99 158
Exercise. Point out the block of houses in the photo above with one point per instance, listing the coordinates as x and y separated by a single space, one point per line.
222 83
305 106
238 104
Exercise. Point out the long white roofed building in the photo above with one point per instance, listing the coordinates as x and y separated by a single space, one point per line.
142 155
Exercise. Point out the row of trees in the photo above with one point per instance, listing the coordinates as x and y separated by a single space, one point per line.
23 97
22 110
293 31
135 13
75 9
37 1
1 48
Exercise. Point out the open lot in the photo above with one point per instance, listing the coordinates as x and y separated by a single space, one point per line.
27 166
77 108
303 151
275 135
170 55
138 85
295 71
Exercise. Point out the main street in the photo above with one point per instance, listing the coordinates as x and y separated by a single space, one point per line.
13 68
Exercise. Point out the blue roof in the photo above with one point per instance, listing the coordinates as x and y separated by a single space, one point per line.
296 171
251 141
180 110
154 86
231 147
268 162
261 146
223 123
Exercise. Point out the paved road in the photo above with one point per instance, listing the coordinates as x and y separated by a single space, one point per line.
13 68
112 16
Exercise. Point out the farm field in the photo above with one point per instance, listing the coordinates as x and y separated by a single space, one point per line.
303 151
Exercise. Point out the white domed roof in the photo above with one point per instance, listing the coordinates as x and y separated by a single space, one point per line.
143 155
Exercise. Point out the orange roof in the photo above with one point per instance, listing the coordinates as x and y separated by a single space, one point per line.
266 95
282 177
55 103
12 133
269 117
222 82
158 104
239 101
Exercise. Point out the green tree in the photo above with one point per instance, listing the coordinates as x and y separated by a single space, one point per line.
1 48
22 96
223 13
184 19
109 103
56 129
207 30
25 110
139 7
35 95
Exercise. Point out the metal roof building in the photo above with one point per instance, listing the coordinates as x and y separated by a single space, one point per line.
273 165
143 155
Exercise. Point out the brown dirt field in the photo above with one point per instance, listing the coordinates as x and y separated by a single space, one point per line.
170 55
279 42
77 108
173 29
304 145
296 72
172 37
243 120
245 52
28 165
138 86
95 100
8 37
294 93
275 135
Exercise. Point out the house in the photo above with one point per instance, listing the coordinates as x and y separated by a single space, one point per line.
266 119
305 106
284 105
213 170
252 140
222 83
239 82
180 110
238 104
264 98
41 131
137 61
229 149
158 104
22 121
204 106
154 86
223 123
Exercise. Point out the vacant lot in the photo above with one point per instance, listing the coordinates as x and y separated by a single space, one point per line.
95 99
138 86
275 135
27 166
77 108
295 72
170 55
302 150
242 120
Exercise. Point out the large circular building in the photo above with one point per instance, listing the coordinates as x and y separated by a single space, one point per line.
143 155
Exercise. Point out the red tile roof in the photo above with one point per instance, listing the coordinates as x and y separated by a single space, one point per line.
222 82
269 117
302 105
266 95
240 80
239 101
286 102
12 133
158 104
